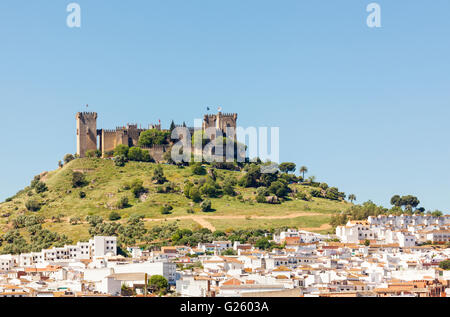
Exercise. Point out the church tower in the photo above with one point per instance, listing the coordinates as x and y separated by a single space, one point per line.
86 132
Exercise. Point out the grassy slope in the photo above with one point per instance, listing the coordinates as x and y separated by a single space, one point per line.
105 188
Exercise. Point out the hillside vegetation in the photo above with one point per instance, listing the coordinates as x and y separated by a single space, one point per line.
61 203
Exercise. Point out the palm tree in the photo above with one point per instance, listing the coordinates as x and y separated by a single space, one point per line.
303 170
351 197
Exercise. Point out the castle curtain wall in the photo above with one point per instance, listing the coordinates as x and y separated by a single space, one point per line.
108 141
129 135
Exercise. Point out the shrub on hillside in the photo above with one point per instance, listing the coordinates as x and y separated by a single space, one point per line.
74 220
261 199
158 175
113 216
122 203
194 194
228 186
40 187
190 211
165 188
137 188
94 153
198 169
206 205
120 160
33 205
165 210
210 188
302 196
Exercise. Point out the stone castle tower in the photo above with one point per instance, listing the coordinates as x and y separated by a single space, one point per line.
221 121
86 132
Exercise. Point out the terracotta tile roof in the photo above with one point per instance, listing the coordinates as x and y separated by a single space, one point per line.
232 281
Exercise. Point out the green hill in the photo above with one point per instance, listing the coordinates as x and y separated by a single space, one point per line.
106 184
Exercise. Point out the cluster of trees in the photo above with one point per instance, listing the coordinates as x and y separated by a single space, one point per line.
267 184
23 221
176 236
203 188
332 193
154 137
408 202
128 234
134 231
358 212
123 153
13 242
363 211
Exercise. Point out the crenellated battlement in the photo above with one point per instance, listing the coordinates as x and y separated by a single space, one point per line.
92 115
231 115
109 131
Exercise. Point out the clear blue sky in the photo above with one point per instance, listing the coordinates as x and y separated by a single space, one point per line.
366 110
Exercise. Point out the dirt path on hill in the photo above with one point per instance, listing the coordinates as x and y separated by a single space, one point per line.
203 220
325 226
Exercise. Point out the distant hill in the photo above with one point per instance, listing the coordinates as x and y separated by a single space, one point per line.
107 184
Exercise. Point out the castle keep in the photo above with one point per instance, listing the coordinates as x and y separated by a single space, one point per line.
89 138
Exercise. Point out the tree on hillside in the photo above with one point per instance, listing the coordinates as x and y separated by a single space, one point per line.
303 170
408 201
121 149
139 155
351 197
67 158
153 137
137 187
78 179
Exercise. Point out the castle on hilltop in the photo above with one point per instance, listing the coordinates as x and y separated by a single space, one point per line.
89 138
